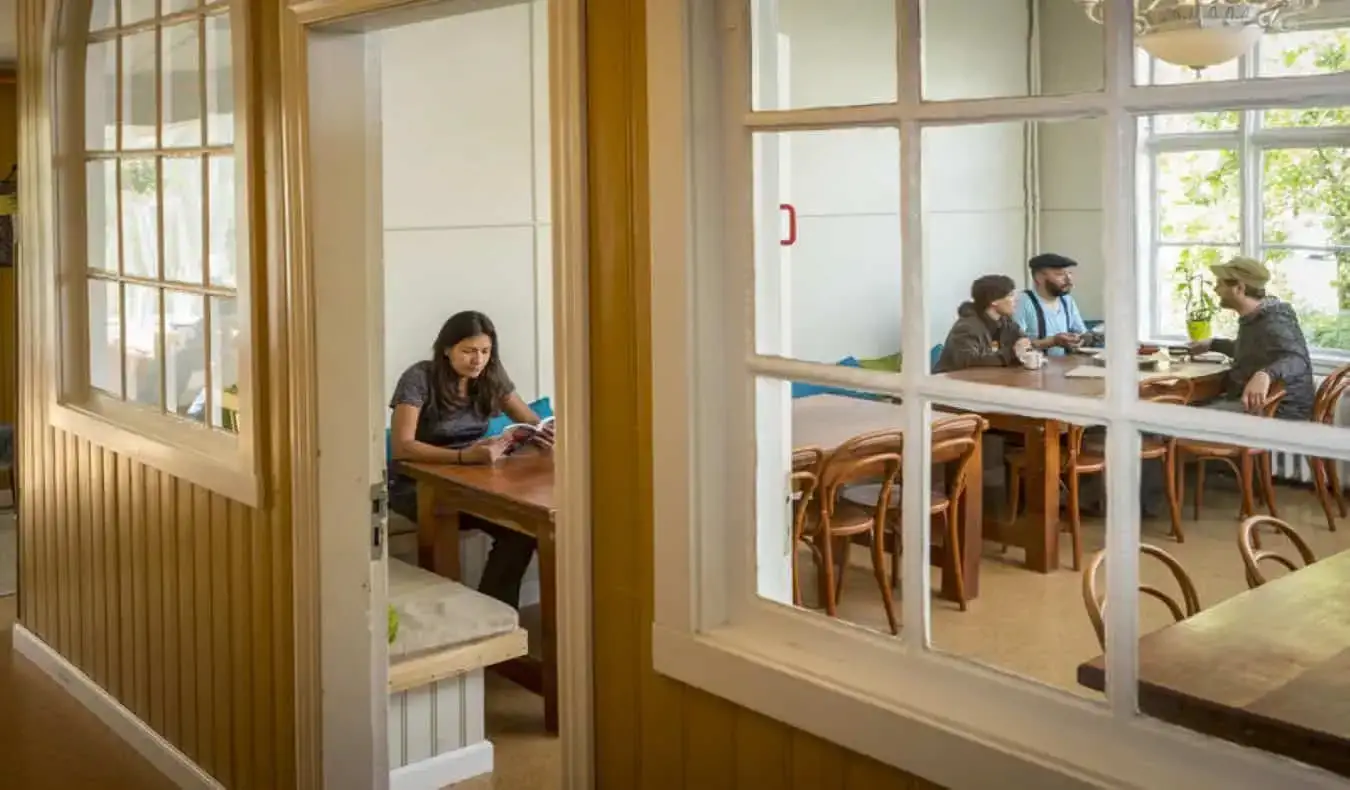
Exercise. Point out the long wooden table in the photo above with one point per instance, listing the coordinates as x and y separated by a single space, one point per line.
827 421
516 493
1268 668
1037 530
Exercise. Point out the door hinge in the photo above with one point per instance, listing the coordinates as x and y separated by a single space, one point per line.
379 519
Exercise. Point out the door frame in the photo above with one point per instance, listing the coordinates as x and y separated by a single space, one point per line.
289 240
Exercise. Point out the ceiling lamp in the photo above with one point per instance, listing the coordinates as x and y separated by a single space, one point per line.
1201 33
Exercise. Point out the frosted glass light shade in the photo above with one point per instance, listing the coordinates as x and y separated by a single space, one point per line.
1198 47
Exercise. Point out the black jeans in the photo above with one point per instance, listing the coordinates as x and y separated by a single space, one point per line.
507 561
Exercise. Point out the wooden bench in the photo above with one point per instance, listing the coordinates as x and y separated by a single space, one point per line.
447 634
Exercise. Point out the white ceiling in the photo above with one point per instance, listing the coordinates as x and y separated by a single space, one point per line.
9 24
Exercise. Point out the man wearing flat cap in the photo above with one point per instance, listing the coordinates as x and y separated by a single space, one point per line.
1269 347
1047 312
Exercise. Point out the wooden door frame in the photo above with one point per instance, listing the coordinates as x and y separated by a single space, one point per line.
289 243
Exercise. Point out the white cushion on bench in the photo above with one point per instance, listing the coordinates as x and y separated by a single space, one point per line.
436 613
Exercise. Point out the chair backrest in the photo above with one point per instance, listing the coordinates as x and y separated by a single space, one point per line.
870 457
807 463
956 438
1167 389
1329 394
1095 602
1252 555
1273 399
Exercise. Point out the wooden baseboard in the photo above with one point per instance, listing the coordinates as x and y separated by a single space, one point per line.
150 744
444 769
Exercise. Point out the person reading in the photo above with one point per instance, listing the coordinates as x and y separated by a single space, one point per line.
1046 312
984 334
441 409
1269 346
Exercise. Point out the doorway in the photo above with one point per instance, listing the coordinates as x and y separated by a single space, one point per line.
368 296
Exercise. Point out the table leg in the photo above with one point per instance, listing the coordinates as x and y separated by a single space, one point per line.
437 535
548 624
426 526
1040 525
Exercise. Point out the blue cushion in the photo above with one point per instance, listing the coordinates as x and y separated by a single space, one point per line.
933 357
802 389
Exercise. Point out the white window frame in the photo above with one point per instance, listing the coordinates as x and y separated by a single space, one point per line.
1250 139
942 717
223 462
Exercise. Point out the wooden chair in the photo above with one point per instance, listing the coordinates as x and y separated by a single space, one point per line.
1326 478
1244 461
1177 391
805 480
1252 555
869 458
1188 606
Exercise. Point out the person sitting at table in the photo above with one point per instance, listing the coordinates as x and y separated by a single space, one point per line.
1269 347
441 411
1047 312
984 334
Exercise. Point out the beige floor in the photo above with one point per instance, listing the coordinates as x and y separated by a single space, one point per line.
1035 625
527 758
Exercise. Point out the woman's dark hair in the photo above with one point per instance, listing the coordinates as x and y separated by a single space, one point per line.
990 288
486 392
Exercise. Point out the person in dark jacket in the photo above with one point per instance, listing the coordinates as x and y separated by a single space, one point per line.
984 334
1269 347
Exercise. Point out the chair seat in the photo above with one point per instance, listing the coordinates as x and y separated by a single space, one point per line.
1089 460
866 495
1213 449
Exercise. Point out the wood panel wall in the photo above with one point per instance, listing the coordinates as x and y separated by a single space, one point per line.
175 600
653 733
9 306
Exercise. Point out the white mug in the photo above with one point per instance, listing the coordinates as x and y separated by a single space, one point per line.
1033 360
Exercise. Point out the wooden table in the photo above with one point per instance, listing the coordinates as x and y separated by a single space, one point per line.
1037 530
516 493
1268 668
827 421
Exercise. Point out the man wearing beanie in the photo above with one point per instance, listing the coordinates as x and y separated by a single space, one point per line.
984 334
1269 347
1046 312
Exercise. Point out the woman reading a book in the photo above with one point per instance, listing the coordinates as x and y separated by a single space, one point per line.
441 411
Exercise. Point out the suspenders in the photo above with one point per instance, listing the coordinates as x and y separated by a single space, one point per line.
1040 312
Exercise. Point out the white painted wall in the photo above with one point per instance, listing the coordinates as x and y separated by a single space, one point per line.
846 273
466 186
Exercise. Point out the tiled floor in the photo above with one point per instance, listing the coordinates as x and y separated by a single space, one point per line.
1035 625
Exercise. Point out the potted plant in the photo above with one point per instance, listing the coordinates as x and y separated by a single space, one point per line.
1200 308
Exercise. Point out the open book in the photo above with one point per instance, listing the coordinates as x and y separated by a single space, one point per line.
521 434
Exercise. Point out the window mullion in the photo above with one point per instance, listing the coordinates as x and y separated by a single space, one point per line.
909 56
916 579
1249 162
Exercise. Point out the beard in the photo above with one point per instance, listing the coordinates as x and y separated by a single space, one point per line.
1056 290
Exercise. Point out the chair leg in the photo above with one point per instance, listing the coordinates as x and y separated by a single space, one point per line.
1268 484
951 524
1248 486
1014 500
1199 487
1075 521
879 570
796 576
895 557
1173 496
842 551
1321 487
826 577
1334 475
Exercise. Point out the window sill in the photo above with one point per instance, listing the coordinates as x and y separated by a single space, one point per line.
218 462
948 720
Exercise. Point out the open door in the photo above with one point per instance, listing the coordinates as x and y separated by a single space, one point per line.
347 244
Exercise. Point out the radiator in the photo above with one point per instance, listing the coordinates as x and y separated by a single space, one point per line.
1292 467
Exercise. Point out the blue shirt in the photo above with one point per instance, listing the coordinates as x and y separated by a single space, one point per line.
1061 315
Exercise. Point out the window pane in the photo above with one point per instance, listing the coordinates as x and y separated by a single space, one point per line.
224 221
809 54
827 262
1198 198
225 338
101 214
1304 197
140 116
1186 303
1317 284
1306 117
1304 52
1006 477
984 50
102 15
182 85
100 96
105 337
140 218
1223 121
185 343
822 501
143 327
174 6
219 80
134 11
183 198
991 318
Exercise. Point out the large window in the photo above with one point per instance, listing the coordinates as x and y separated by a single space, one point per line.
877 519
154 320
1269 184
